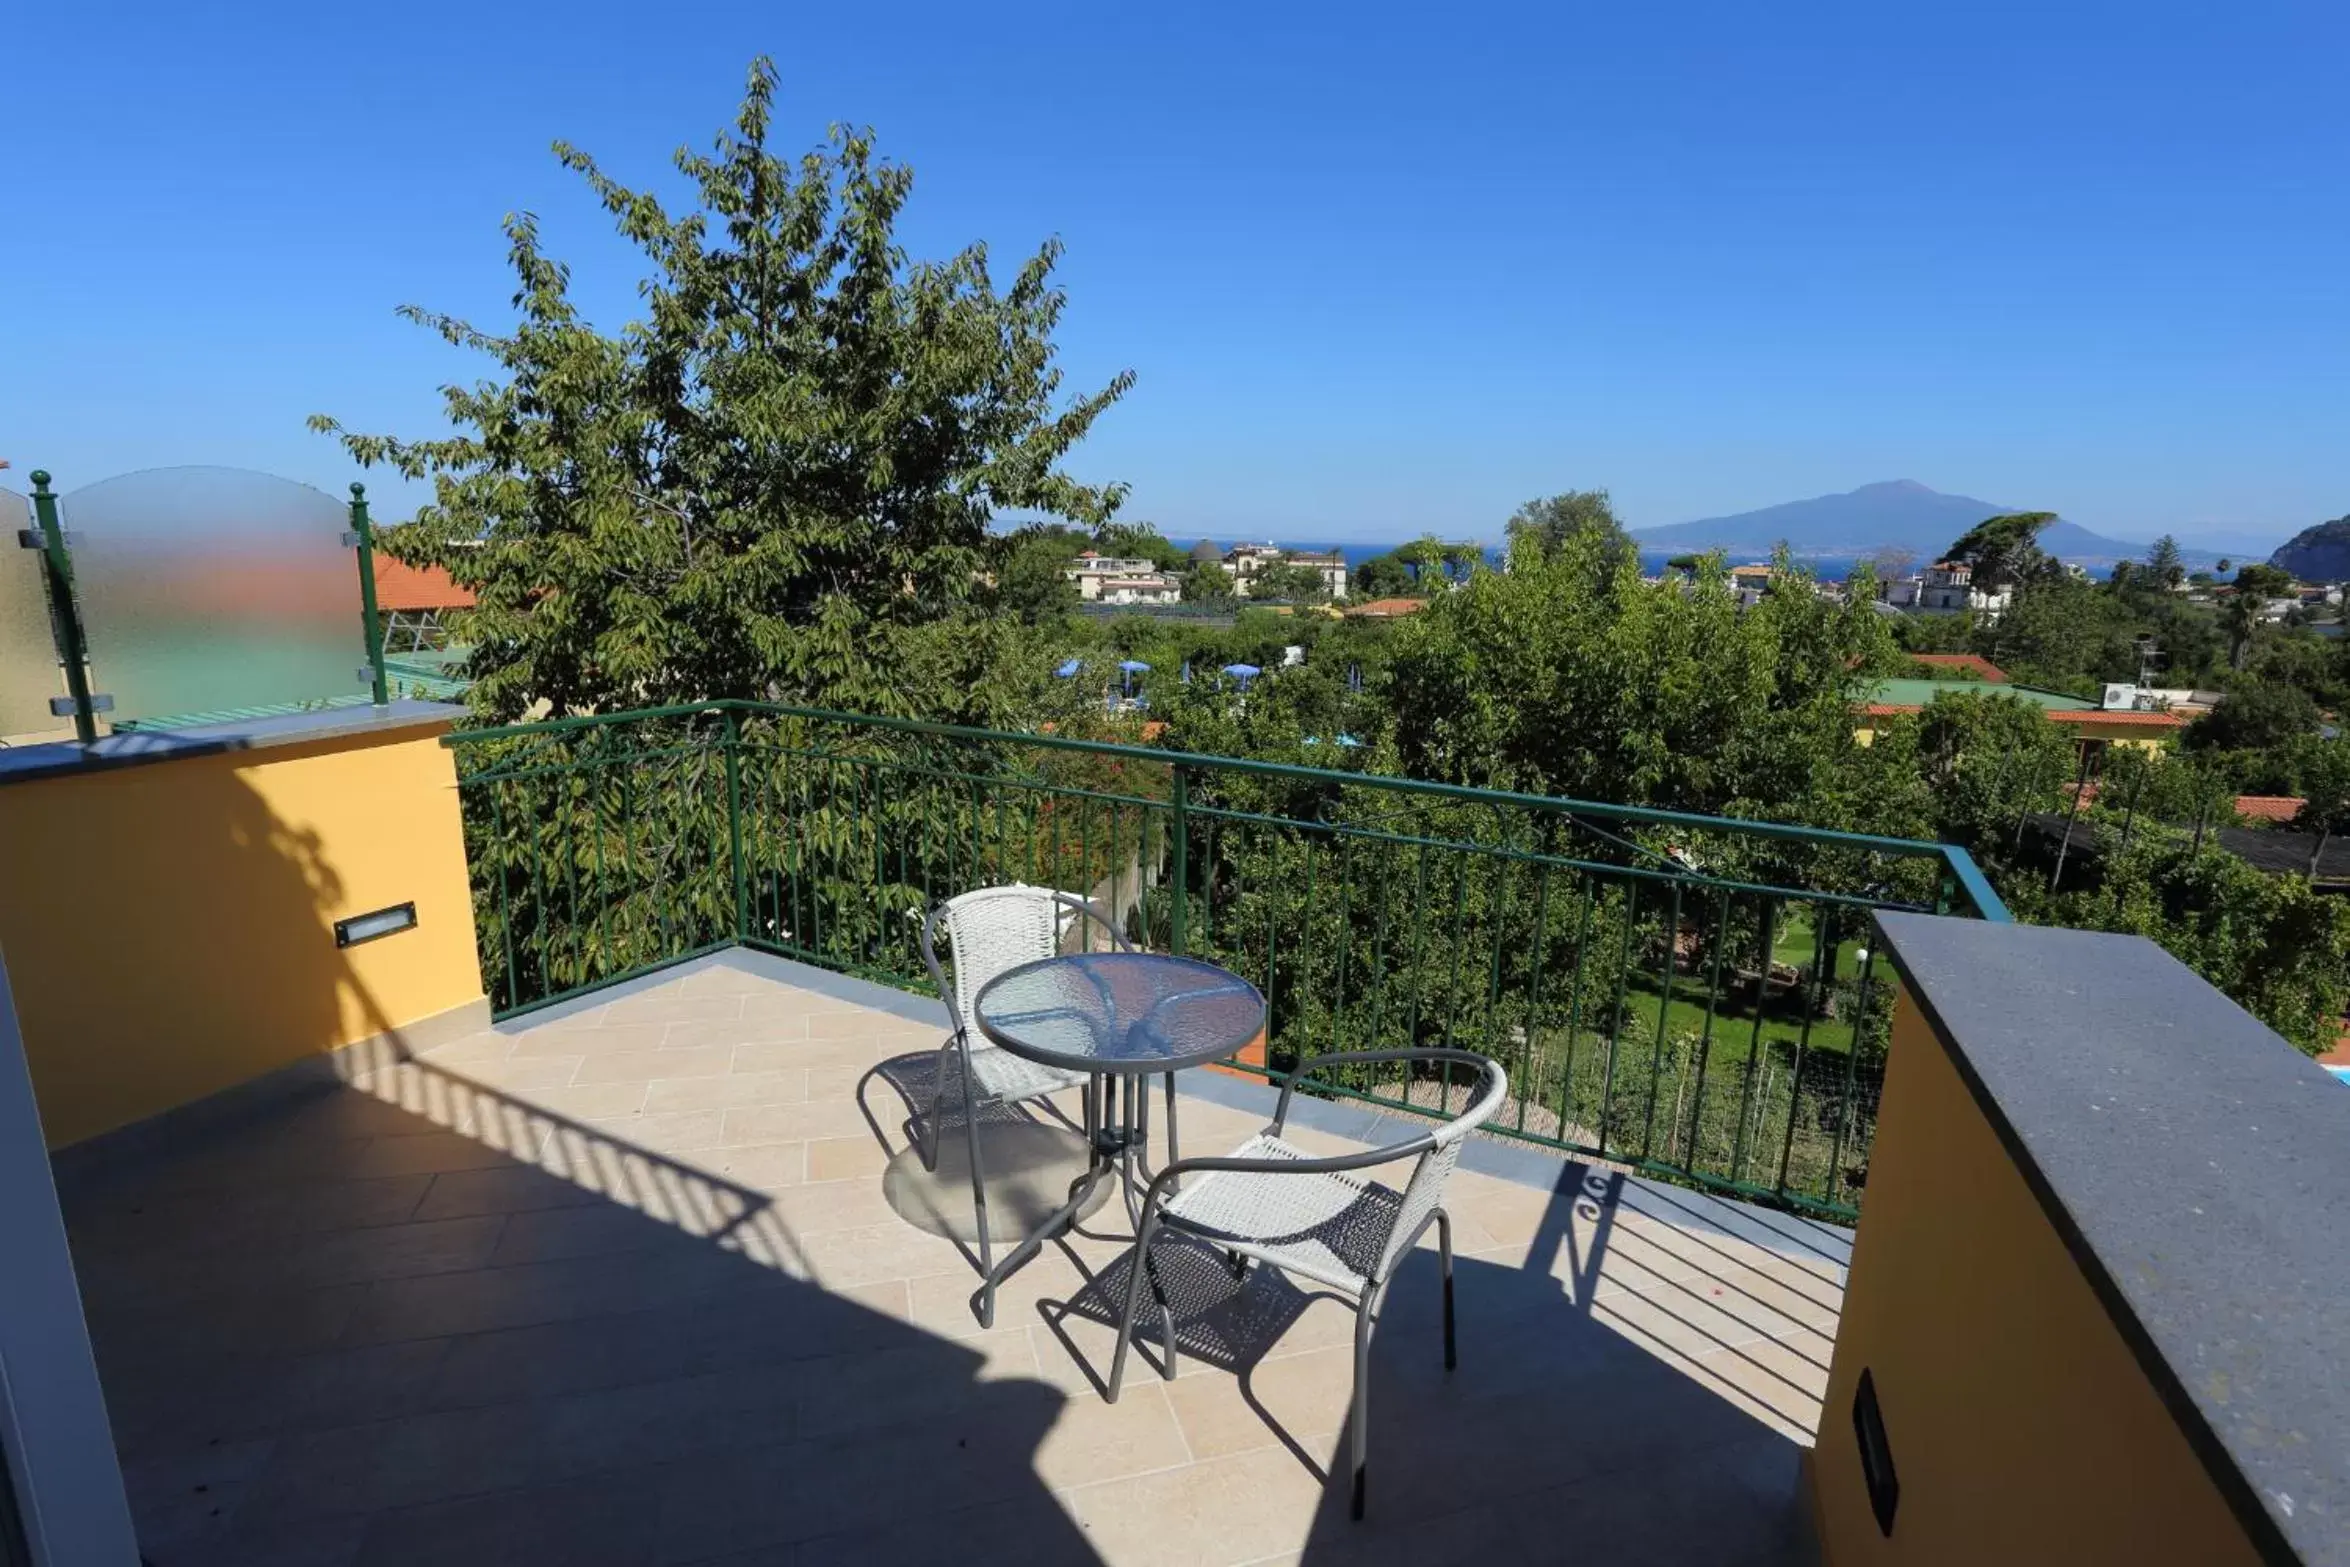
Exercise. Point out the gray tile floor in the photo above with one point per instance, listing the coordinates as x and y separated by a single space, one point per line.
639 1283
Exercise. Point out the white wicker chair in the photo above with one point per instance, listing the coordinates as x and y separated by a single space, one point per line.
1316 1217
988 931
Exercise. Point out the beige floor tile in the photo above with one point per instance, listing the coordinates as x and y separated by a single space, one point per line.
666 1009
587 1101
801 1122
682 1131
1215 1513
1306 1395
1780 1384
845 1158
573 1038
733 1031
488 1045
785 1054
726 1091
1094 1441
764 1166
518 1074
644 1066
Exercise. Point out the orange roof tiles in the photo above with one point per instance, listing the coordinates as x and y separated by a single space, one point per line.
2134 720
1974 661
405 587
2269 807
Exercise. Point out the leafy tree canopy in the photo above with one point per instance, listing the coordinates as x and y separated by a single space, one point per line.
1291 581
1383 576
2164 563
1544 525
2004 550
778 482
2255 715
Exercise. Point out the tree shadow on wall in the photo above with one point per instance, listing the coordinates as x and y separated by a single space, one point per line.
412 1316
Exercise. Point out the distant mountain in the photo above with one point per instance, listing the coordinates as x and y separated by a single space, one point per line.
1898 514
2319 554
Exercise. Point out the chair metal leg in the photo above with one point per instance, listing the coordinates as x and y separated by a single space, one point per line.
1359 1423
1174 1153
1142 1248
979 1205
1452 1357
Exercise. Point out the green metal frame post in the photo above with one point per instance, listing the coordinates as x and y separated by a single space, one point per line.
1179 851
73 648
364 533
734 827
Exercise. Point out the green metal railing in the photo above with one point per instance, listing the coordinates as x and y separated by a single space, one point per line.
1690 995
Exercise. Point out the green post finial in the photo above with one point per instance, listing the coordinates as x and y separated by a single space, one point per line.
358 490
41 480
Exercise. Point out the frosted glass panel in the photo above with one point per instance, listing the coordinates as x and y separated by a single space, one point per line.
212 588
29 671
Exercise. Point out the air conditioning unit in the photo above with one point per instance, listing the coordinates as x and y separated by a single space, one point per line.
2121 698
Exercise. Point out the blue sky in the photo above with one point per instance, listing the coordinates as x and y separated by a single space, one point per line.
1379 268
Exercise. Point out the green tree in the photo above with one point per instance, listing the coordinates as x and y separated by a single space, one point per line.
1207 582
778 482
2004 550
1032 582
2323 770
2255 586
2254 715
1383 576
2226 565
1291 582
1545 524
2165 564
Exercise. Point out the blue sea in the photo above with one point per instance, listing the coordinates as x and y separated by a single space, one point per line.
1828 568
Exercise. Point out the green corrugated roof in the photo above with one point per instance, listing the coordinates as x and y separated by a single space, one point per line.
1917 693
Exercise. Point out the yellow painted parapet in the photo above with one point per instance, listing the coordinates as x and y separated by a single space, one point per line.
2019 1425
170 927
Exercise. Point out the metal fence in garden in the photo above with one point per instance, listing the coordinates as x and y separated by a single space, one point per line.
1689 995
164 596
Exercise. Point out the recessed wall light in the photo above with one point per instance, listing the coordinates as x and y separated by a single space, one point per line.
382 922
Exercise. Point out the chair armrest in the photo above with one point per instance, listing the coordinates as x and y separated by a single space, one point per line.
1085 908
1307 1067
1336 1164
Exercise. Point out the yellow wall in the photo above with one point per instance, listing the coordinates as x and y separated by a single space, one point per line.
169 928
2021 1427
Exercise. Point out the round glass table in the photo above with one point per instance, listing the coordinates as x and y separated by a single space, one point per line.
1119 1017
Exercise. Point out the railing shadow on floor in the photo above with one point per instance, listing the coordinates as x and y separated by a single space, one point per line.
1584 1420
585 1351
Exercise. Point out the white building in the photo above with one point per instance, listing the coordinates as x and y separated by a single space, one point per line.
1093 571
1147 587
1246 561
1950 586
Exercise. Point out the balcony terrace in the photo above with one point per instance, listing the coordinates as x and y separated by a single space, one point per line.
637 1281
573 1217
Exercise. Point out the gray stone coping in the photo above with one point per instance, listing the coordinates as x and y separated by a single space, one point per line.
20 764
2198 1168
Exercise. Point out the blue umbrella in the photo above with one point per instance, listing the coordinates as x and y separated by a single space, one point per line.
1187 671
1070 668
1134 666
1243 671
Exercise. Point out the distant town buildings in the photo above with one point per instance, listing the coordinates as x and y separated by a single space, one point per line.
1247 562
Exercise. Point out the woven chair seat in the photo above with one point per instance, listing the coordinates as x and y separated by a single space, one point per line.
1008 1078
1331 1228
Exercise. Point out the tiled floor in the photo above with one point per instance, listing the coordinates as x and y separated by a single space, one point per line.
638 1284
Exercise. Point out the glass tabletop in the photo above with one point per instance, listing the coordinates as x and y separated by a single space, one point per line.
1132 1012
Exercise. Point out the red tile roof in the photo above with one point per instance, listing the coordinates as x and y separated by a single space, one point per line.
2269 807
399 586
1974 661
2134 720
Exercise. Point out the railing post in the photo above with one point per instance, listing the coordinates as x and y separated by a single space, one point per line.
734 827
1179 850
363 535
68 615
